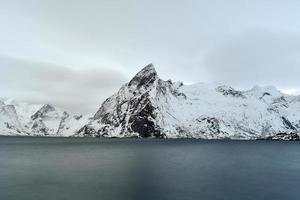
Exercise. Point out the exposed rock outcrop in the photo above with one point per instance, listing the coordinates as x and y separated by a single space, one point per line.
148 106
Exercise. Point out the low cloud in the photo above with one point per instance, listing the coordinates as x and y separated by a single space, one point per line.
257 57
76 90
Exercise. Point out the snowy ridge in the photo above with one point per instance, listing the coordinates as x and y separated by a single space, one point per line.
21 118
148 106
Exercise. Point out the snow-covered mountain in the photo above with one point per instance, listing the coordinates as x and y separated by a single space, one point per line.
21 118
148 106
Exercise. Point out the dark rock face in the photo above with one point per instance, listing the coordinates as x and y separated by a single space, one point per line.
86 131
142 121
77 117
229 91
131 109
142 80
285 136
42 112
145 77
39 127
138 117
288 124
266 94
212 124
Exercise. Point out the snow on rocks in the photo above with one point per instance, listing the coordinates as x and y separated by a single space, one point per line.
148 106
21 118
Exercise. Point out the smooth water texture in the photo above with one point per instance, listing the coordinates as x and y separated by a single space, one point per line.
134 169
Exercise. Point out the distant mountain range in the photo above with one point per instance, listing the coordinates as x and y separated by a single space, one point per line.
20 118
148 106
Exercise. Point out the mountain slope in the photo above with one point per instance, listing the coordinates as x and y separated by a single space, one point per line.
21 118
9 121
148 106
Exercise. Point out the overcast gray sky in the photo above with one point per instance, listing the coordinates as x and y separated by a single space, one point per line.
76 53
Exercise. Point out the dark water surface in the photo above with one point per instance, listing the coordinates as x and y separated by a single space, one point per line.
133 169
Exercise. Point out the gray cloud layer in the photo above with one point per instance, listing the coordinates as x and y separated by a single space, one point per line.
94 46
75 90
257 57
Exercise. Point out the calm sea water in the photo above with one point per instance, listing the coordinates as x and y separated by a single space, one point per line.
134 169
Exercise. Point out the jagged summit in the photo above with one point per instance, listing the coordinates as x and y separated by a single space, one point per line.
148 106
145 77
148 69
43 111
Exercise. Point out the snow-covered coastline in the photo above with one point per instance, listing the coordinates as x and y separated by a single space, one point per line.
148 106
